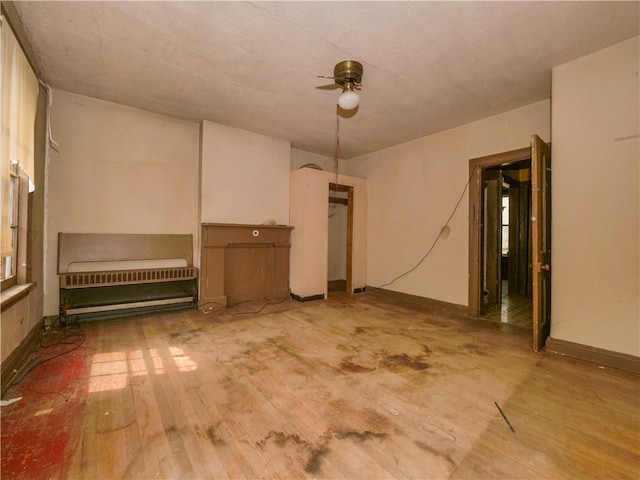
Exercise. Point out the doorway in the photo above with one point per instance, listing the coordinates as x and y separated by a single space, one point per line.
340 239
486 179
506 234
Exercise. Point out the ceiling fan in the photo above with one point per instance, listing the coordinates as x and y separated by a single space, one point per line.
347 75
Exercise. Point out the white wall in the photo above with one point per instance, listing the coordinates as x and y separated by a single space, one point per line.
244 176
412 189
118 170
595 233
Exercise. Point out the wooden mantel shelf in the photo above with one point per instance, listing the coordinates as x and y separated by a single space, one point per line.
245 225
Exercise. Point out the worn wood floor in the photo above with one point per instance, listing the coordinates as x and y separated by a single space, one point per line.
351 387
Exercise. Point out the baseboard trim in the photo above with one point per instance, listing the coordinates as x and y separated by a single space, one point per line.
606 358
422 302
12 364
360 290
298 298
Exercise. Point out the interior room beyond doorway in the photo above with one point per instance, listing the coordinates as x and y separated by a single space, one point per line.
507 245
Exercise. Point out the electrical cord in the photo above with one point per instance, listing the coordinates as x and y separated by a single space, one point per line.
435 242
62 341
35 362
336 157
223 310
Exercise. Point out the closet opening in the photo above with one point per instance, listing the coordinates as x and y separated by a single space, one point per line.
340 239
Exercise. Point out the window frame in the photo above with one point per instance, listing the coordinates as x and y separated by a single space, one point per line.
19 228
14 221
502 222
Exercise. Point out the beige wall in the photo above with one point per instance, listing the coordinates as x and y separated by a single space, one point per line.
309 238
118 170
412 189
245 176
16 324
595 234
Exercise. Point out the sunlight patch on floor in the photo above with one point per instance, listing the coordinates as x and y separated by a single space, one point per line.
112 370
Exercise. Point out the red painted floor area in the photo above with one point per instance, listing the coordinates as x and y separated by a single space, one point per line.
37 429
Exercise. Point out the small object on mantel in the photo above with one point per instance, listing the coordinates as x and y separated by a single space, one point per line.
315 166
271 222
4 403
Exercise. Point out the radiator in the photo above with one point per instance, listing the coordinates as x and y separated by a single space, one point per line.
112 275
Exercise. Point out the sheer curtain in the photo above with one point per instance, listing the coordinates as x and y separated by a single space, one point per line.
19 102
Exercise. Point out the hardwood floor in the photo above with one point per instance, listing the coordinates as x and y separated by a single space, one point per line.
351 387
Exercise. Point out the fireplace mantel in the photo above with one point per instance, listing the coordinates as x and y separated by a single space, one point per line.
243 263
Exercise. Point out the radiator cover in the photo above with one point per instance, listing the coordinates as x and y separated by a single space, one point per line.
82 301
92 295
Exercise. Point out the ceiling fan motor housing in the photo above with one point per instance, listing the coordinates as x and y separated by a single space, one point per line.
348 71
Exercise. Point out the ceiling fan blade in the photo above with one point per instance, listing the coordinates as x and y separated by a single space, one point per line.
333 86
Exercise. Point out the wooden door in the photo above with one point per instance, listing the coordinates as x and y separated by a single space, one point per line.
541 239
493 238
350 241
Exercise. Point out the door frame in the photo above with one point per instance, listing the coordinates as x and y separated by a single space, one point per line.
349 203
477 167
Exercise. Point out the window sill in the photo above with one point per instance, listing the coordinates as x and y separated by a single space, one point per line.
12 294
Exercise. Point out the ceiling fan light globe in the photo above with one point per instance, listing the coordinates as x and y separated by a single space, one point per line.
348 100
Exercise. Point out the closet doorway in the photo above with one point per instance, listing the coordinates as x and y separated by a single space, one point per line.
340 239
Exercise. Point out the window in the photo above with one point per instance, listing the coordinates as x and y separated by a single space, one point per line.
19 102
9 253
505 224
14 247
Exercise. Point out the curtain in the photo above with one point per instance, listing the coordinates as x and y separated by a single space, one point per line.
19 102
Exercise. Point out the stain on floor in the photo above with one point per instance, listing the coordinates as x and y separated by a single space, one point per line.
395 362
315 452
35 439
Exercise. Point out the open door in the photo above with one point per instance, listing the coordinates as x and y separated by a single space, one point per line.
492 238
541 239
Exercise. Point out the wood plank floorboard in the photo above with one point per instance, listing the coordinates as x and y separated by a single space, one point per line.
356 386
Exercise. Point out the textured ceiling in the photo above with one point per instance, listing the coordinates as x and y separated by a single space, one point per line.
428 66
